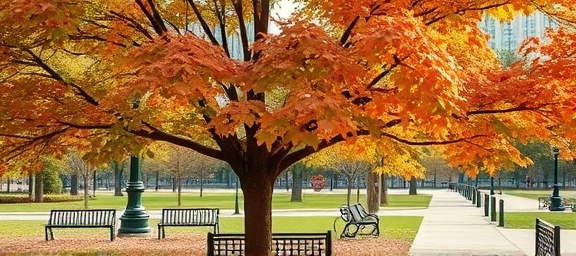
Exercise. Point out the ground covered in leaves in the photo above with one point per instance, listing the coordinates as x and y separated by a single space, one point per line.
192 244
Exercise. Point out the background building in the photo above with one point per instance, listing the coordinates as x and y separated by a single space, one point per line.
510 35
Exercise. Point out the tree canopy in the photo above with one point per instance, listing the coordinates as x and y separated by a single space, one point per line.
109 77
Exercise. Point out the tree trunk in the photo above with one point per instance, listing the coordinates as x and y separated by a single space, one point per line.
8 185
118 170
157 181
86 190
31 186
174 185
74 184
286 179
373 192
94 184
201 182
179 185
384 190
296 185
350 187
39 188
258 212
413 184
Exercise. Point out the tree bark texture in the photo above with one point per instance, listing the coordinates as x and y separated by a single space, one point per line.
86 190
373 192
296 185
39 188
118 170
384 190
258 213
413 185
74 184
179 185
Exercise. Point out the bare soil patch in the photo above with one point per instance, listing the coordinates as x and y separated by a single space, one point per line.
191 244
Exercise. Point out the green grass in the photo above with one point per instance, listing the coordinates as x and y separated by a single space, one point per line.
527 220
534 194
156 201
397 227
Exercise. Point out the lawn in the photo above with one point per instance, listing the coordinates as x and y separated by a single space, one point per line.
159 200
535 193
396 227
527 220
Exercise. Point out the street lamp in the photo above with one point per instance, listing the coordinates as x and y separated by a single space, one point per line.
134 221
555 199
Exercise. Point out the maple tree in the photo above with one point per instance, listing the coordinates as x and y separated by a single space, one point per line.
109 77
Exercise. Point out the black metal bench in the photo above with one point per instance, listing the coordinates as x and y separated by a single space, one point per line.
91 218
543 202
356 216
282 244
188 217
547 239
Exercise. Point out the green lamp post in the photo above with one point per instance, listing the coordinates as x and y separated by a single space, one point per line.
134 221
556 199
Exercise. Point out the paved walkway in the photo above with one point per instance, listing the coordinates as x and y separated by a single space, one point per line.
452 225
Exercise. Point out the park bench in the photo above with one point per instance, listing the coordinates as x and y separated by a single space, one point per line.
282 244
547 239
91 218
545 202
188 217
355 215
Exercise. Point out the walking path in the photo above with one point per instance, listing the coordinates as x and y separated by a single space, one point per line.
452 225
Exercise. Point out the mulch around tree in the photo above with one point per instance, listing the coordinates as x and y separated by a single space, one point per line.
179 244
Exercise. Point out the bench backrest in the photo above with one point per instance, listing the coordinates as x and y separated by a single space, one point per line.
353 213
89 217
358 212
197 216
547 238
282 244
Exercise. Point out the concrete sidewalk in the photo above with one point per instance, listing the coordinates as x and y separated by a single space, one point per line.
453 226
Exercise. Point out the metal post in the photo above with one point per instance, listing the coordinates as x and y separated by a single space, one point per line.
492 185
478 199
501 214
492 208
134 221
236 203
556 200
486 204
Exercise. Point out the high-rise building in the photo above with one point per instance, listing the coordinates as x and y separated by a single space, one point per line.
510 35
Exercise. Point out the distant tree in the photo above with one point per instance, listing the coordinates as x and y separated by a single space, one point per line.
82 168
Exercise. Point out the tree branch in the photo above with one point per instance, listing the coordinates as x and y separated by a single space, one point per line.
56 76
203 23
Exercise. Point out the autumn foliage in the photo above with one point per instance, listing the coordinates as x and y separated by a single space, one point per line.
109 77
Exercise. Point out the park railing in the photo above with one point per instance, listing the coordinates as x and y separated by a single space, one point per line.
547 239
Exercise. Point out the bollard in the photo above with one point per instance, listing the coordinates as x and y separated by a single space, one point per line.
486 202
501 214
492 208
478 199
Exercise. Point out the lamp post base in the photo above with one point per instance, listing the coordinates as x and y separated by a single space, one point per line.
556 204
